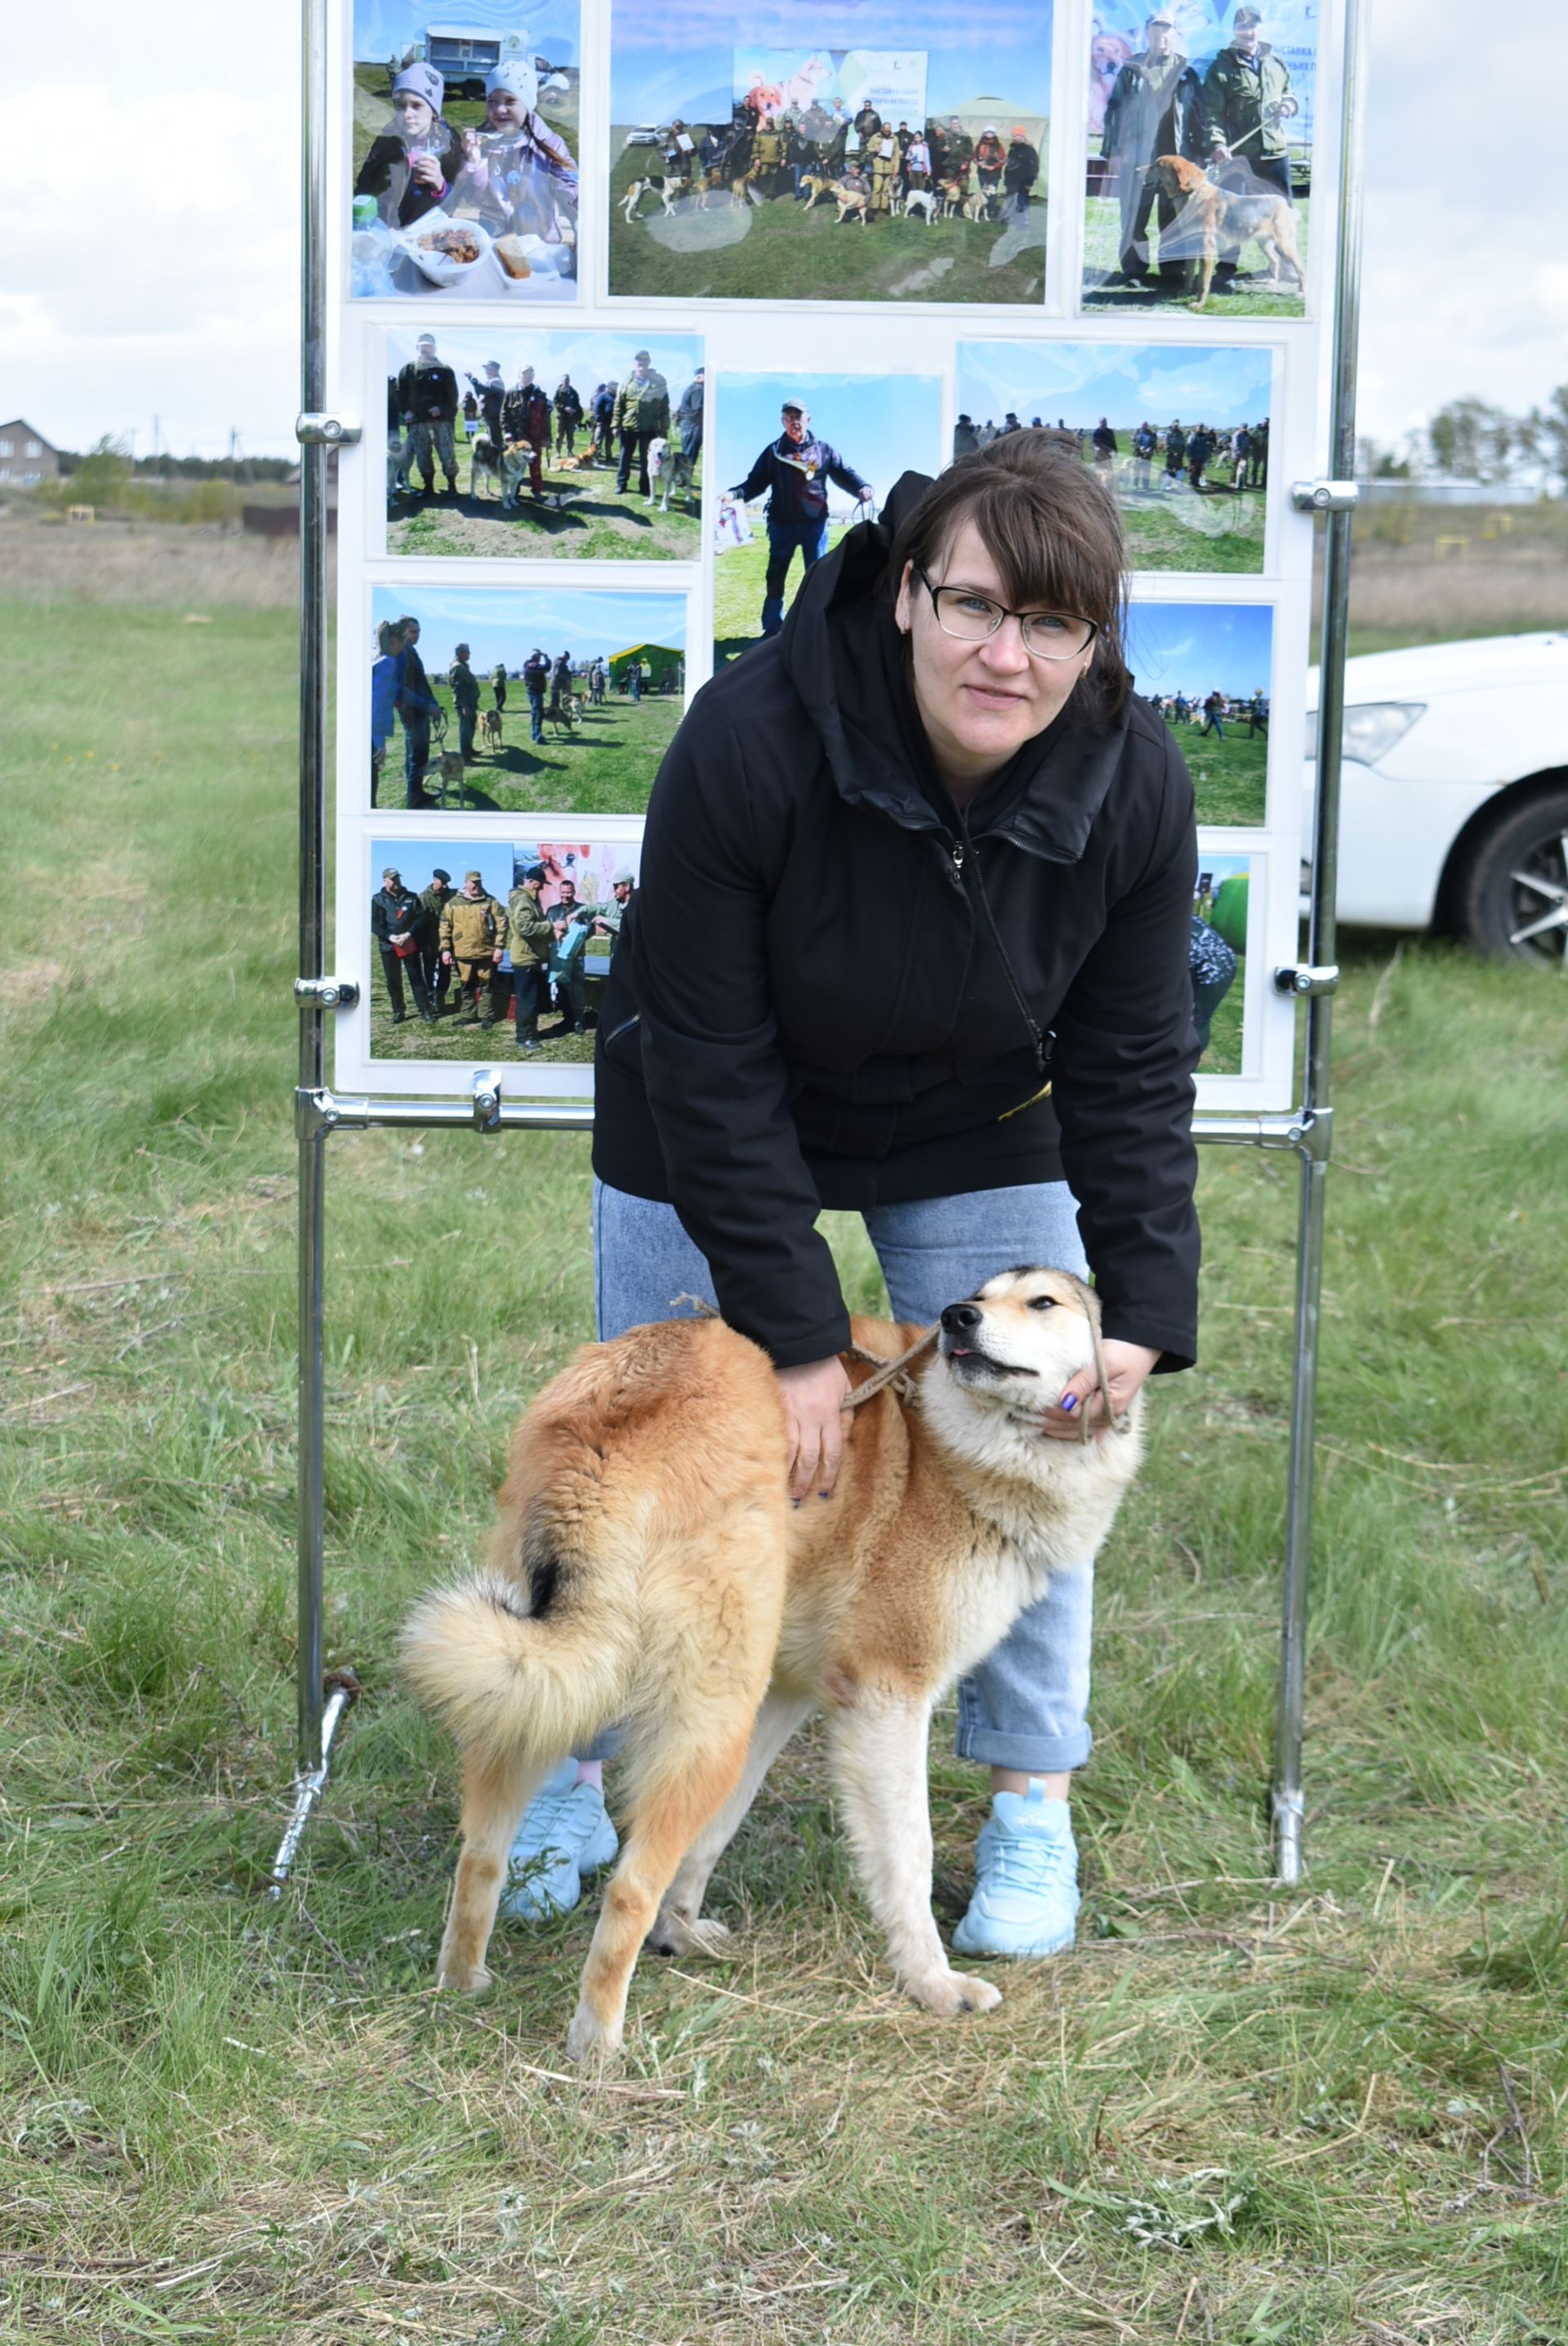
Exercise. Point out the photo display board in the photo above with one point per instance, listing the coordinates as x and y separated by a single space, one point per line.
582 258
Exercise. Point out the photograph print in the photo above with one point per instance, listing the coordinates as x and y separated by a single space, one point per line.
1208 668
1179 436
465 152
543 444
510 699
850 151
1217 961
494 951
1200 155
801 459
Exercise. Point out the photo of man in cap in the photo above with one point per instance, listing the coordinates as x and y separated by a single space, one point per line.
394 924
1246 97
473 935
641 416
428 401
1154 109
532 936
433 903
793 471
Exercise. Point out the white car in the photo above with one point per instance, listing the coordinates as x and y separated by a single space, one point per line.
1454 798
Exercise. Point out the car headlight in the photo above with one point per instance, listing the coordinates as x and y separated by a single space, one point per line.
1370 730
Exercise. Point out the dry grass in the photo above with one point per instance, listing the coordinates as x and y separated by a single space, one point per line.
149 562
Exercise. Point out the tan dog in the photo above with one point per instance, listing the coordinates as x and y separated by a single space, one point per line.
648 1567
490 728
1213 213
853 203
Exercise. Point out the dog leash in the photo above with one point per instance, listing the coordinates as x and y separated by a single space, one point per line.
896 1372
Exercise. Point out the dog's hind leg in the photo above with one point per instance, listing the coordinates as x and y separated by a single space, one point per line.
878 1751
495 1792
679 1929
688 1782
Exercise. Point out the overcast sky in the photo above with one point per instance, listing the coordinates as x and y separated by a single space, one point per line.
152 264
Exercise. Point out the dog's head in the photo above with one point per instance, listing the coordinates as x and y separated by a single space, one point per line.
1173 175
1019 1340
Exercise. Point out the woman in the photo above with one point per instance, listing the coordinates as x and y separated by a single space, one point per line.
413 166
945 863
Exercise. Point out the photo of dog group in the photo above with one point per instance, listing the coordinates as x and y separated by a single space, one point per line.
555 444
1208 668
801 459
465 181
1179 436
1201 156
519 700
756 158
487 950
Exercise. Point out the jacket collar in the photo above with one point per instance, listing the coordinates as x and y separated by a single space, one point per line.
833 647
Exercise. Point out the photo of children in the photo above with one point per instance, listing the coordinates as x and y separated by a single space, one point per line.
1179 436
546 445
523 699
464 147
488 951
1206 668
801 458
1217 961
1200 155
870 155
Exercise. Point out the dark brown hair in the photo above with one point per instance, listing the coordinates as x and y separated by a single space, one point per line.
1052 530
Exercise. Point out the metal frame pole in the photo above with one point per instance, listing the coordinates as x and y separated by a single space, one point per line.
1289 1797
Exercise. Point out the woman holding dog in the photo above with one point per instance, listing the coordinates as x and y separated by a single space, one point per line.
946 862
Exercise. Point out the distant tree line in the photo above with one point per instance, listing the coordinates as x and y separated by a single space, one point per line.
108 461
1470 439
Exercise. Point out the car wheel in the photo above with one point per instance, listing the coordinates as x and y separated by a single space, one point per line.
1513 898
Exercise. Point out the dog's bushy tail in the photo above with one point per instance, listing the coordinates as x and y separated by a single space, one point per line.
535 1655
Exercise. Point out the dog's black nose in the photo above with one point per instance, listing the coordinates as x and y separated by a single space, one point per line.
960 1318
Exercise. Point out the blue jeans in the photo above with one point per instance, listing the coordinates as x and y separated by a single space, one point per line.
536 715
785 540
415 753
1025 1706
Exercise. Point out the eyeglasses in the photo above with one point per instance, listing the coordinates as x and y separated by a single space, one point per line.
971 618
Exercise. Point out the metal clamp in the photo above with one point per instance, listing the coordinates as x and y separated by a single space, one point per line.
1325 496
326 992
1303 978
487 1100
325 431
315 1113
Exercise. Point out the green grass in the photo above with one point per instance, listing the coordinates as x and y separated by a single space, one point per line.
740 580
596 523
453 1040
606 766
1230 775
230 2121
779 251
1101 250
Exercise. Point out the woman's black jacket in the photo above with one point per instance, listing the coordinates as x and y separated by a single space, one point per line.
809 1007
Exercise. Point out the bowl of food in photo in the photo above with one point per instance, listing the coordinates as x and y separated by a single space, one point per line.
447 251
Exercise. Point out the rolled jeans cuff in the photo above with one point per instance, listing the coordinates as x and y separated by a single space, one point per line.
1032 1755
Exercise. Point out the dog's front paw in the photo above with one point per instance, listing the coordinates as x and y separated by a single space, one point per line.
947 1994
688 1935
590 2039
462 1979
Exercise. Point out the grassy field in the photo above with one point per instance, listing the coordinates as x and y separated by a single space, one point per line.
1210 529
779 251
606 766
1325 2118
740 579
1230 775
1102 260
453 1041
594 521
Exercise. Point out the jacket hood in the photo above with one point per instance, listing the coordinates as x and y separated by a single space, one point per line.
840 652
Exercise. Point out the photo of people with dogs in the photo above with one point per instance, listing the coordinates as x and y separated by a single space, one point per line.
1200 155
573 446
513 699
801 459
1208 668
489 952
1217 960
1178 436
465 181
867 151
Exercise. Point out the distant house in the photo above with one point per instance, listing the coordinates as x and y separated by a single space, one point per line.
26 456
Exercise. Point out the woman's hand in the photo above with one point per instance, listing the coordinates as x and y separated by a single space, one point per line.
814 1396
1126 1366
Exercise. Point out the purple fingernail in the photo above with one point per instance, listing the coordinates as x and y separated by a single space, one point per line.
824 1494
1069 1400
